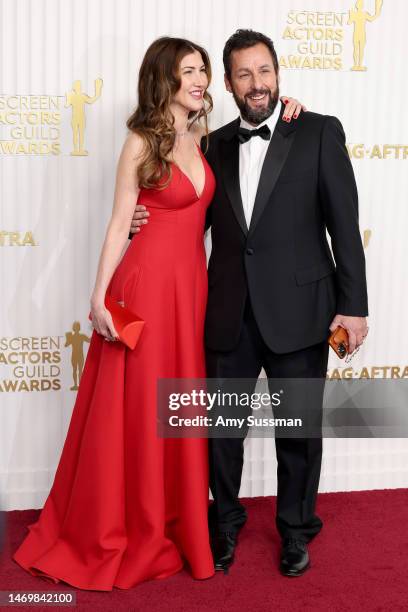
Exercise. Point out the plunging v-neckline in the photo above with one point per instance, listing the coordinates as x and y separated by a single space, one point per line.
199 196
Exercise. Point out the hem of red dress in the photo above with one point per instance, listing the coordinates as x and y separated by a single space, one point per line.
37 573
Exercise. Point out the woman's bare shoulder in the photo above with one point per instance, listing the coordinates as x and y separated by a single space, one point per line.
133 142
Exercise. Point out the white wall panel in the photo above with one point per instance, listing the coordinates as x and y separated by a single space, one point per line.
65 200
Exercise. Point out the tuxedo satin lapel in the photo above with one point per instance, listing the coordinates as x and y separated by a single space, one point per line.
275 158
230 172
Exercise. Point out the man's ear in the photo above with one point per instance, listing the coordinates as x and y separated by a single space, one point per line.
227 83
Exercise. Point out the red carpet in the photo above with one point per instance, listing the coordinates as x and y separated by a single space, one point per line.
359 562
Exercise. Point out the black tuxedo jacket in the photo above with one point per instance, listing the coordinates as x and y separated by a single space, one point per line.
283 260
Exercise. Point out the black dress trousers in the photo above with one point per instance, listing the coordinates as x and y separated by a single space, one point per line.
298 459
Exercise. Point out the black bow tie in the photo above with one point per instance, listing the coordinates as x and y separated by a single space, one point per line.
244 135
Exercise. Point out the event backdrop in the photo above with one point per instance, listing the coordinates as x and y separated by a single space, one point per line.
67 85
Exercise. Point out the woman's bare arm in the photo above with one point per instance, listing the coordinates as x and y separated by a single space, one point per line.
126 194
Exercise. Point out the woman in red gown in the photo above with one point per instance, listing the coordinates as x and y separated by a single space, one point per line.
126 505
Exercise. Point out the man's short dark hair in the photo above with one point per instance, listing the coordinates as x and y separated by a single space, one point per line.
243 39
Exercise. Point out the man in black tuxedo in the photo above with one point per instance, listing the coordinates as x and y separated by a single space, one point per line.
274 290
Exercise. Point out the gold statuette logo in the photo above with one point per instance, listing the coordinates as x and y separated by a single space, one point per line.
366 238
77 99
75 339
359 17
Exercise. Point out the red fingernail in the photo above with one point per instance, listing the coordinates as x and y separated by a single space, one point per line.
295 116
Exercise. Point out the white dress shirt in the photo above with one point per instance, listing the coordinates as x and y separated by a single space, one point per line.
251 158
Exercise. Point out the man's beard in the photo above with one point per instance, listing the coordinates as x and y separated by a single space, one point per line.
257 115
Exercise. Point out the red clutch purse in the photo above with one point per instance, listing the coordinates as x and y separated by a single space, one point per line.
128 325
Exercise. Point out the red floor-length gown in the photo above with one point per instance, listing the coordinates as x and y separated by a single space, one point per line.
126 505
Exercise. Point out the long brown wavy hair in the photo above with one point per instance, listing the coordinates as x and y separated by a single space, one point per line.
159 81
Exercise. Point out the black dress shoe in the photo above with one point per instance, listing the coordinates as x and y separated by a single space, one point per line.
294 557
223 547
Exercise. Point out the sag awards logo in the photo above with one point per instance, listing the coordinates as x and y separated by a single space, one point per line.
17 239
319 39
377 151
31 125
386 371
30 364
